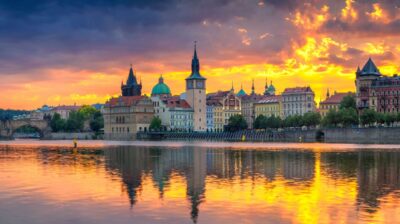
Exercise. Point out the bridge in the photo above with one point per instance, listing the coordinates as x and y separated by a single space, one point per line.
8 128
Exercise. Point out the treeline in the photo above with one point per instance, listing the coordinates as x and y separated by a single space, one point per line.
9 114
76 120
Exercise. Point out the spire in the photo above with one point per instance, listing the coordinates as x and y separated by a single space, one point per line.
327 93
131 77
370 68
195 65
232 89
266 92
161 79
252 88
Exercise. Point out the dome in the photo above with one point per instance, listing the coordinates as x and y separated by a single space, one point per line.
271 88
161 88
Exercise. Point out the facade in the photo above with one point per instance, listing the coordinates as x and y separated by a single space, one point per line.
269 106
196 95
41 113
248 106
375 91
332 102
298 101
124 116
174 112
210 117
132 87
64 110
225 104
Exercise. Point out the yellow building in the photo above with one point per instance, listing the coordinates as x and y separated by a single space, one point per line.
332 102
225 104
268 106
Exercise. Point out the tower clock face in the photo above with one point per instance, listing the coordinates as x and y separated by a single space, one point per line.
199 84
190 84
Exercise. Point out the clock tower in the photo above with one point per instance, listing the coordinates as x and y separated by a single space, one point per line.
196 94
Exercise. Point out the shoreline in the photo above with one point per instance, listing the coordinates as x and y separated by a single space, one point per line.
201 144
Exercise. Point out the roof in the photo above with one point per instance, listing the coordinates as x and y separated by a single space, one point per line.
336 98
213 102
131 78
241 93
195 67
269 99
252 97
296 90
370 69
218 95
176 102
67 107
125 100
160 88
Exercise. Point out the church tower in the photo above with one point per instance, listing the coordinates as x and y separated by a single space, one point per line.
132 87
196 94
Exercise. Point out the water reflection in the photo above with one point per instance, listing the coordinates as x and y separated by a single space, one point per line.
221 185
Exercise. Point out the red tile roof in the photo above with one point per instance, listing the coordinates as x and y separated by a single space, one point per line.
297 90
336 98
125 100
176 102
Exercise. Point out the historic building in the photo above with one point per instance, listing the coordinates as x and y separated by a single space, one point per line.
196 95
174 112
298 101
268 106
124 116
332 102
225 105
269 90
248 106
376 91
64 110
128 114
132 87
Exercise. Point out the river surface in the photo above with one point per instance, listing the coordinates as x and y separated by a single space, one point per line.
189 182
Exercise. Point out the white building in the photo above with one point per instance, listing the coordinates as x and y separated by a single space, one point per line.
298 101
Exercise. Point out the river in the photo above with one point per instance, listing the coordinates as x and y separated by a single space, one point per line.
198 182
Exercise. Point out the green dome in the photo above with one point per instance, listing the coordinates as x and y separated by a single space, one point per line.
161 88
271 88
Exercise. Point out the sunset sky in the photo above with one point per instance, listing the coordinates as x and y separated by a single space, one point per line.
65 52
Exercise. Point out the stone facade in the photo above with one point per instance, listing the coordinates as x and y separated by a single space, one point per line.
332 102
298 101
224 105
124 116
269 106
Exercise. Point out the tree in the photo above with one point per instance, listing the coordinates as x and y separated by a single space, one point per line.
260 122
87 111
273 122
331 118
237 122
155 123
390 118
311 119
348 101
97 121
75 121
57 123
368 117
347 116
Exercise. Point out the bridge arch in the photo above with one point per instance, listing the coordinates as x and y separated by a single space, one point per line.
8 128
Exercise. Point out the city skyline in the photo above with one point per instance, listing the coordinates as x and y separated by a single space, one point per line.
65 53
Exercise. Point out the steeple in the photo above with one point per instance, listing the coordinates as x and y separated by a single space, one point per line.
131 77
195 65
370 69
131 87
266 87
232 89
327 94
161 79
252 88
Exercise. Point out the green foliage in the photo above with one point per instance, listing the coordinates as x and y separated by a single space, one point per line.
368 117
311 119
260 122
87 112
96 121
237 122
390 118
274 122
155 123
57 123
9 114
293 121
331 119
75 121
347 116
348 101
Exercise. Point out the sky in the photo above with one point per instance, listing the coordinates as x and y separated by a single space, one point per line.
64 52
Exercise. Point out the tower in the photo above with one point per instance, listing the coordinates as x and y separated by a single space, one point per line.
252 88
132 87
266 93
196 94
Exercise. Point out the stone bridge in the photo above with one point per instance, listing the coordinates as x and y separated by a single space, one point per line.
8 128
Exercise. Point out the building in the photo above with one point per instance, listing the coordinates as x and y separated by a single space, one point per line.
376 91
41 113
215 122
225 105
332 102
174 112
161 89
64 110
210 117
241 92
128 114
269 106
124 116
132 87
196 94
269 90
247 102
298 101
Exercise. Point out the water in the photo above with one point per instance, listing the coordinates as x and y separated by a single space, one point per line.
177 182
